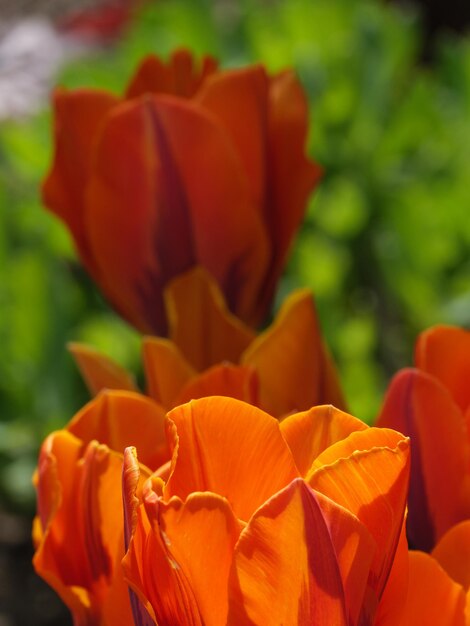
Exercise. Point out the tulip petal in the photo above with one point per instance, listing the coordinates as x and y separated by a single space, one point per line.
372 484
222 380
433 597
166 370
392 602
453 553
444 352
179 76
293 366
179 560
230 448
239 100
82 545
99 371
205 332
121 419
309 433
286 569
145 160
78 118
358 440
142 612
420 407
292 175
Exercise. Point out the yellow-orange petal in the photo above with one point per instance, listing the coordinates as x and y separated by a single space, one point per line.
453 553
201 534
78 117
419 406
99 371
358 440
222 380
309 433
286 569
166 370
179 558
292 364
444 352
372 484
180 76
230 448
433 597
121 419
200 323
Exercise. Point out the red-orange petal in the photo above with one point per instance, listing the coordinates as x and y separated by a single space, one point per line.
420 407
309 433
230 448
453 553
99 371
180 76
286 569
146 160
200 323
232 381
166 370
293 366
292 176
78 117
433 597
121 419
239 100
444 352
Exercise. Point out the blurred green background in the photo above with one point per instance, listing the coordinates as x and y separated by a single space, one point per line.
385 243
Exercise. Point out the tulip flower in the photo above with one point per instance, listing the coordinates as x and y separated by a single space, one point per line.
261 522
430 404
191 167
439 582
210 352
78 530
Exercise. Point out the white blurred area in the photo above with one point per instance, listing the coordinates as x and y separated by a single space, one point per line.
31 52
32 49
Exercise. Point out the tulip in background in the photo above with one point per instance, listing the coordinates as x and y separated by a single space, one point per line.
249 520
439 582
192 166
210 352
431 405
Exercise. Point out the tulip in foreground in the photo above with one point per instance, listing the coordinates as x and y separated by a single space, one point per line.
192 166
210 352
431 405
244 520
261 522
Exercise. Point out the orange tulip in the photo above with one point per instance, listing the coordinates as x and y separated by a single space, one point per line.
439 583
191 167
78 531
286 368
261 522
431 404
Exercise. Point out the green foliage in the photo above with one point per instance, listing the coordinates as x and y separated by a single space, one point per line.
384 245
